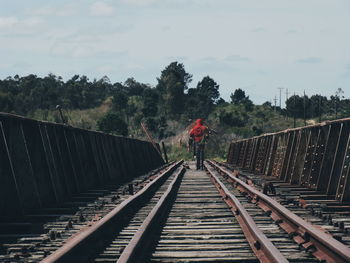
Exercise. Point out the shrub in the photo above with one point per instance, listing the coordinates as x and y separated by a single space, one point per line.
112 123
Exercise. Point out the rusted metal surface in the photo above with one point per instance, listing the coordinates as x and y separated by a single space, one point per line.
44 164
79 248
314 156
322 245
138 245
263 248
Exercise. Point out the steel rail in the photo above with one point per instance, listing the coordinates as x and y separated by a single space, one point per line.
322 245
138 245
81 246
262 247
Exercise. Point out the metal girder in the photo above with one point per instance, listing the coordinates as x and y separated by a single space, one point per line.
313 156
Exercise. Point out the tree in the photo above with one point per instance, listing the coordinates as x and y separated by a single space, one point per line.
295 106
150 102
318 105
208 93
112 123
6 103
221 101
134 88
267 104
336 101
237 96
172 83
119 101
201 100
231 118
261 118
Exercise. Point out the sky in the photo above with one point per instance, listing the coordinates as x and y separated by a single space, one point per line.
255 45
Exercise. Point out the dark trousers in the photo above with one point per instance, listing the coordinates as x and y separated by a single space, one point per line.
200 155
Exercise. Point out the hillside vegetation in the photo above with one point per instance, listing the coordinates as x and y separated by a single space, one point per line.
168 109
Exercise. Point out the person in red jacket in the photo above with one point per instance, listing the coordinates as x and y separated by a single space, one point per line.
199 134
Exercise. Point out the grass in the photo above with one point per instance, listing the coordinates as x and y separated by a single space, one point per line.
85 119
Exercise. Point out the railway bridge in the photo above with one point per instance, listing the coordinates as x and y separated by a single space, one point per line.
71 195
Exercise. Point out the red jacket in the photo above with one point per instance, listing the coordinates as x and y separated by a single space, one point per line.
199 131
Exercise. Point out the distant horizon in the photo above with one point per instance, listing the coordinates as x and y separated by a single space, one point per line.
252 45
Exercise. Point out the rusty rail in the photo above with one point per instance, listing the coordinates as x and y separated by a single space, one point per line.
322 245
140 241
82 246
260 244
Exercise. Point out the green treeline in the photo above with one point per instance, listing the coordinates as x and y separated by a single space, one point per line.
23 95
166 108
317 106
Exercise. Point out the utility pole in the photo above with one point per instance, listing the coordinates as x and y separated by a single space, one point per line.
304 109
294 110
319 108
275 100
280 88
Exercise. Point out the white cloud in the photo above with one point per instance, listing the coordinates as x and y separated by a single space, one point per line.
32 21
15 26
6 22
139 2
101 9
64 10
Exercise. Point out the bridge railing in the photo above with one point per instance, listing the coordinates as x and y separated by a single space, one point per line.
43 163
315 156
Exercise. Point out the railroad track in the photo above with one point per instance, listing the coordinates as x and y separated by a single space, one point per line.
40 232
306 203
309 236
200 227
191 216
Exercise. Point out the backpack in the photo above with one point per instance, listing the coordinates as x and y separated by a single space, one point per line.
198 132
